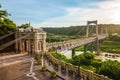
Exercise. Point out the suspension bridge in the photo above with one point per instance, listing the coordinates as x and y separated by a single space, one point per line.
33 41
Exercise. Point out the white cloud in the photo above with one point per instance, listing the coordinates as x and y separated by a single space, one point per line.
106 12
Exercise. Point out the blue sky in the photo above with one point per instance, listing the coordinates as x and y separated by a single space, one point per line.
56 13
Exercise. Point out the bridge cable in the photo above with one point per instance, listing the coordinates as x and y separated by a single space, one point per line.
13 41
81 30
4 36
91 30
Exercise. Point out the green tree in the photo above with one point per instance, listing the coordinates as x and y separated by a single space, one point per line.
111 69
59 56
79 58
6 25
84 59
26 25
3 14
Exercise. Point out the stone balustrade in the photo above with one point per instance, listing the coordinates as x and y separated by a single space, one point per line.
84 74
73 43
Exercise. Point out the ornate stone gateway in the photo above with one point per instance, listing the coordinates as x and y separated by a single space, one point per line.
35 43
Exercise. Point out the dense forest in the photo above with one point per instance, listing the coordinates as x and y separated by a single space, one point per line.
80 30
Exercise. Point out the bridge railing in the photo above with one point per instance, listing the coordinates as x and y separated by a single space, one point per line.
83 72
81 41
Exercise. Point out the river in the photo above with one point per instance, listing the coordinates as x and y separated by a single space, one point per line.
68 53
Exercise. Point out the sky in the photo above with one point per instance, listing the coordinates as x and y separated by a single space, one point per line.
62 13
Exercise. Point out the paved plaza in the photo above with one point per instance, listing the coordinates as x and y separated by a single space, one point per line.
18 72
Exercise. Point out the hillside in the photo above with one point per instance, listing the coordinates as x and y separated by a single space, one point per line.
80 30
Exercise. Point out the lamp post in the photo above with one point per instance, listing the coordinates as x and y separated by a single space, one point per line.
79 70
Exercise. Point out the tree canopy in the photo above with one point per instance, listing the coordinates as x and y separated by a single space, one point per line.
6 25
87 61
26 25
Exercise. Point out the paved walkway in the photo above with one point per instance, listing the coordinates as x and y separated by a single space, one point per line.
13 59
63 74
21 69
18 72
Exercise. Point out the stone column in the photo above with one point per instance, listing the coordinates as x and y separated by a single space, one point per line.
23 46
36 46
44 42
66 73
36 43
91 47
20 46
28 46
74 76
59 69
73 52
32 47
85 48
90 76
97 46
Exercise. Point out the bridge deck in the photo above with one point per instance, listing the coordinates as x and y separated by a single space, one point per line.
67 45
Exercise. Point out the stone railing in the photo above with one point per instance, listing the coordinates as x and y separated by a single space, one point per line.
85 74
70 44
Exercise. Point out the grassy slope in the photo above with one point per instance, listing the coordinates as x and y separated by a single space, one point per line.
111 46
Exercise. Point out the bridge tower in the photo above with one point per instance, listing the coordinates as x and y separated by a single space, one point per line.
87 34
35 43
106 31
87 29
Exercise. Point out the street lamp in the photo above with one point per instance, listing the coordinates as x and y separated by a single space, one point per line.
79 70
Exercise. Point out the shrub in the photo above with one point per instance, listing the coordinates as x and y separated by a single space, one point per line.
43 68
37 56
53 74
59 56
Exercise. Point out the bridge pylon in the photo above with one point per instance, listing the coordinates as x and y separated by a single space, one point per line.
88 25
87 34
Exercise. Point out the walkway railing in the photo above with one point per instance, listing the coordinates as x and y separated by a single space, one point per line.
73 70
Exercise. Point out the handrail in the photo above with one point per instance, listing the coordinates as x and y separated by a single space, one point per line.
83 72
4 36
